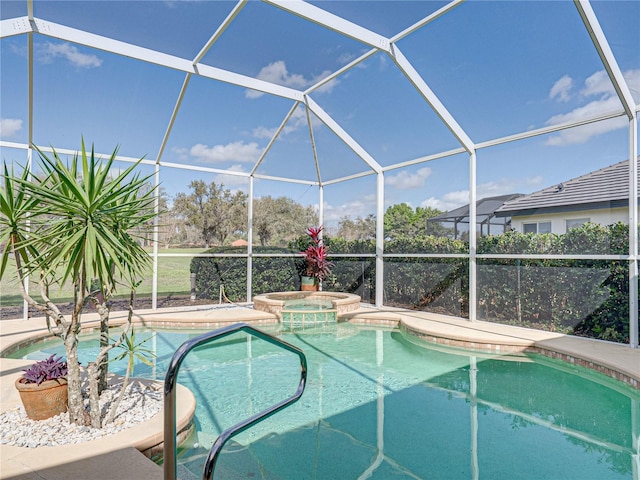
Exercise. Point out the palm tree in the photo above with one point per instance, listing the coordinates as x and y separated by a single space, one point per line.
75 225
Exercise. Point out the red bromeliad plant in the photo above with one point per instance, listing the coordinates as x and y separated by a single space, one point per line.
317 265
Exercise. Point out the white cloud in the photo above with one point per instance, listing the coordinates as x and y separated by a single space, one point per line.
504 186
345 58
181 152
9 127
588 110
360 207
298 120
353 209
48 52
277 73
263 132
585 132
236 152
233 180
562 89
405 179
633 80
253 94
448 201
597 85
327 87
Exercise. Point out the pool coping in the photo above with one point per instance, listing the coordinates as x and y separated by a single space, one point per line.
146 438
275 302
617 361
96 459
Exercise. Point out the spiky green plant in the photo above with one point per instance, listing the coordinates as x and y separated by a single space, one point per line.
16 207
78 219
131 351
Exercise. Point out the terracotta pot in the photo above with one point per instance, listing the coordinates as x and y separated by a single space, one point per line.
43 401
308 284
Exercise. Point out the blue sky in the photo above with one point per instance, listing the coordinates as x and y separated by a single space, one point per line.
500 68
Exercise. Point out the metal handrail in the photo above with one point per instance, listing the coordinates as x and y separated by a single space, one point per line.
170 452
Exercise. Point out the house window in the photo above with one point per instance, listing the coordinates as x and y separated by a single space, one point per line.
537 227
576 222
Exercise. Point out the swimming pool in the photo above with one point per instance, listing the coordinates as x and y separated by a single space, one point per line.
379 405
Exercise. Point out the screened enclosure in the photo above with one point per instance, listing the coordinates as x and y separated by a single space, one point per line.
258 119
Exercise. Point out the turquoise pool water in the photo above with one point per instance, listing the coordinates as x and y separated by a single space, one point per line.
308 311
379 406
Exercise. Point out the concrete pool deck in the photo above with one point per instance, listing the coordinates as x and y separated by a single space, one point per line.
119 456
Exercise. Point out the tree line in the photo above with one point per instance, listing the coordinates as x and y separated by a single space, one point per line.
211 214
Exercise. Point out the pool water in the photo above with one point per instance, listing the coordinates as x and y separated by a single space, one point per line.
381 405
308 311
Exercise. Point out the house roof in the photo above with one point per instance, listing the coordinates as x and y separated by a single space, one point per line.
604 188
485 208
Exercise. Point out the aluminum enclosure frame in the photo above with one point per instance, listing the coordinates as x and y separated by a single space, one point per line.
30 26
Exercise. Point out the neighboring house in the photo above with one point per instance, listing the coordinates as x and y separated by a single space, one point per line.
458 219
600 197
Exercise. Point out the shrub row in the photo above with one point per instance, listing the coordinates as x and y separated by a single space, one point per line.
583 297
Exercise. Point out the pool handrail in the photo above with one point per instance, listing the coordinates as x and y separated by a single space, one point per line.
170 449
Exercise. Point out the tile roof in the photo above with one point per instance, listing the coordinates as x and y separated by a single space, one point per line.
484 207
607 187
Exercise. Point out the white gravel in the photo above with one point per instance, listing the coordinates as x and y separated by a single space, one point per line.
140 403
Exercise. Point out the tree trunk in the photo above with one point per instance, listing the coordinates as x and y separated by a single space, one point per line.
103 365
77 413
95 368
94 395
116 404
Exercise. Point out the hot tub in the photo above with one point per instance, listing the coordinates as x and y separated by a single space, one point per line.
308 303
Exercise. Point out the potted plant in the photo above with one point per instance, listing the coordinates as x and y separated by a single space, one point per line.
316 265
43 388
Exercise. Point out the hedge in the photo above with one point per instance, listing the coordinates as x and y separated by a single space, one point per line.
582 297
270 274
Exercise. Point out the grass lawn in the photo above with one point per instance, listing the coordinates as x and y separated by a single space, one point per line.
173 279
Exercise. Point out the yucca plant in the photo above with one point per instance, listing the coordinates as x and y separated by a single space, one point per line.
16 206
77 219
132 351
